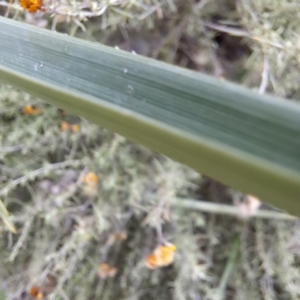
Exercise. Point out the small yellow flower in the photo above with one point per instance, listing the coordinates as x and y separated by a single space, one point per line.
36 293
162 256
64 126
27 109
32 5
30 110
90 179
151 262
75 128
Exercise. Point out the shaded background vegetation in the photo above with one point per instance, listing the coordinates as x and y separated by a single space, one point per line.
67 228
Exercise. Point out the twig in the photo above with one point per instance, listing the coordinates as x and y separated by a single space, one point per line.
149 12
24 147
200 5
172 6
79 14
229 30
264 76
224 209
242 33
8 9
10 149
250 11
36 173
21 239
7 4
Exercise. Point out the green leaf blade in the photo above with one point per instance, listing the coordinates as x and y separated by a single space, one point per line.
236 136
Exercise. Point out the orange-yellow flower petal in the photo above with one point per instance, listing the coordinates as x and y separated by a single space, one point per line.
151 262
90 179
162 256
36 293
64 126
30 110
32 5
39 296
75 128
27 109
165 254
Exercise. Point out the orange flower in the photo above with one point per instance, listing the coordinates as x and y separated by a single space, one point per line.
32 5
27 109
75 128
90 179
30 110
165 254
64 126
106 270
35 292
151 262
162 256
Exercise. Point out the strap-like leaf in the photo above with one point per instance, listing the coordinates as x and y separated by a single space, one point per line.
245 140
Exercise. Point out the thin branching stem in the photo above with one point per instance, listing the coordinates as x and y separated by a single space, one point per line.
223 209
36 173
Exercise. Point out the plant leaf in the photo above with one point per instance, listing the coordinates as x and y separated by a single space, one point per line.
239 137
2 294
5 217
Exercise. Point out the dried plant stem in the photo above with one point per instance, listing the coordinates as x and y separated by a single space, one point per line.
11 149
224 209
264 76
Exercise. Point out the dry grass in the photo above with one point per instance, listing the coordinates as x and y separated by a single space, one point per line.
66 227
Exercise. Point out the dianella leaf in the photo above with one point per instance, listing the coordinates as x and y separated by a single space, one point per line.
232 134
